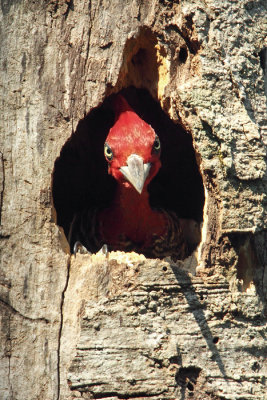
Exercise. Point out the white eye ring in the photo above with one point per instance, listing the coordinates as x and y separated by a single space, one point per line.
108 152
156 145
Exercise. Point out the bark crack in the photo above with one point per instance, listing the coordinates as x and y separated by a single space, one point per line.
136 395
9 358
61 326
2 184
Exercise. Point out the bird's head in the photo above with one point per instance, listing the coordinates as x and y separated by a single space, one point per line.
132 148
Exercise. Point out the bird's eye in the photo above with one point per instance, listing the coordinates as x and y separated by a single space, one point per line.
156 146
108 152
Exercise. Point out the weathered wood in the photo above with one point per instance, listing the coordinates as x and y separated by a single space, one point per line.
150 328
70 328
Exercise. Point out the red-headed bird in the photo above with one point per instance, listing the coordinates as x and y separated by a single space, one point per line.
132 151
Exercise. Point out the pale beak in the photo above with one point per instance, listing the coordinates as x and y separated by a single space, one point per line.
136 171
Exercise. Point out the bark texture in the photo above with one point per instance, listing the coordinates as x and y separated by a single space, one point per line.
122 326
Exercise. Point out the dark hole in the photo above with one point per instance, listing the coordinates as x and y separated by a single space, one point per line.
175 360
164 268
183 55
185 375
263 55
215 339
201 296
80 178
190 386
255 367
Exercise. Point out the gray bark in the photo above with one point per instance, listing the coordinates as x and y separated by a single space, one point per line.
124 326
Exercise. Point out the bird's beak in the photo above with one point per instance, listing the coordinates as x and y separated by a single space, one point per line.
136 171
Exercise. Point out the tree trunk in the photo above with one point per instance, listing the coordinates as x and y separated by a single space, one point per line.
122 326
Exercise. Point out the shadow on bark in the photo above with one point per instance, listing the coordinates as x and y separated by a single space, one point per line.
196 308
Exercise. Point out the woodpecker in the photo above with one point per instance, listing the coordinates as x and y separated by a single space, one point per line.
132 151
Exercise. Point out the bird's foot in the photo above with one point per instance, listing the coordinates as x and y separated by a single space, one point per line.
104 250
79 248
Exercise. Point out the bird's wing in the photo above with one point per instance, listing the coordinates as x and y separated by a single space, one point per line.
84 229
173 243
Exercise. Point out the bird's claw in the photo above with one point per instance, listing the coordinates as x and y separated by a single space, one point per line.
79 248
104 250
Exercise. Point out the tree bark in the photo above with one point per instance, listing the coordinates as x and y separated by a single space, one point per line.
124 326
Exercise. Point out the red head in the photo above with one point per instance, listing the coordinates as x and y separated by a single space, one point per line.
132 148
